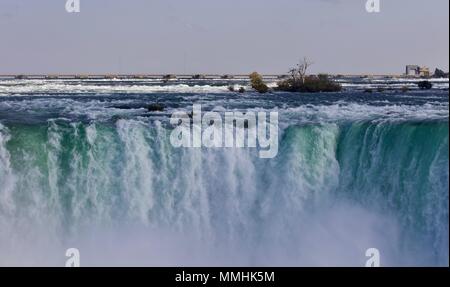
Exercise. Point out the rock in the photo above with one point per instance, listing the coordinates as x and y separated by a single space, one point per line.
124 107
440 74
169 77
155 108
425 85
132 106
241 90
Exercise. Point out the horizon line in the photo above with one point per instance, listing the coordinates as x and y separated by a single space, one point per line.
182 74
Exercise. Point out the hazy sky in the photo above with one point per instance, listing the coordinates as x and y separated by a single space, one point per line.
226 36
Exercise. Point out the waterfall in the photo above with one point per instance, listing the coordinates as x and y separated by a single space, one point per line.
334 190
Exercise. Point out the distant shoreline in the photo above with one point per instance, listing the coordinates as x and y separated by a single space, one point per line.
180 76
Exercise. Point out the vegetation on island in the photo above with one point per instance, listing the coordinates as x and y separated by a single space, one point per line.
257 83
440 74
299 81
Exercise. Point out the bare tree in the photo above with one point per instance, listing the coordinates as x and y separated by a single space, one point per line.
293 72
302 68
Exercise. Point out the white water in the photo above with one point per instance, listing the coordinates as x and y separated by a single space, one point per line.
124 196
131 86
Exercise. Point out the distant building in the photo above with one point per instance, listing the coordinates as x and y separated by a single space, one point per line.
424 72
417 71
412 71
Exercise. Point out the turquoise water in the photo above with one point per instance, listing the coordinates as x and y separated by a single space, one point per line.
98 172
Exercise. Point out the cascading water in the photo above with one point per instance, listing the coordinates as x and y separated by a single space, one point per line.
79 172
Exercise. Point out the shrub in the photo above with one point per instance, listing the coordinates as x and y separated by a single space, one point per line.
440 74
258 83
309 84
299 81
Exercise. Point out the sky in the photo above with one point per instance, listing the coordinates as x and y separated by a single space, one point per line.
221 37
